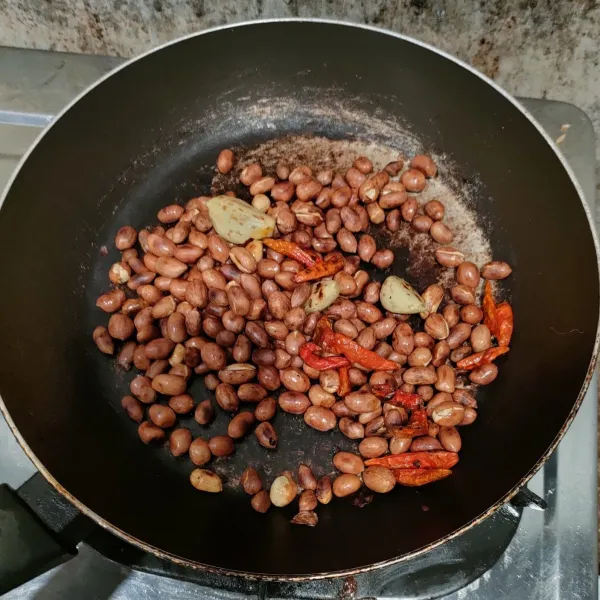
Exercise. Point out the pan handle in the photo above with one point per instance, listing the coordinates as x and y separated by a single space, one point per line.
39 530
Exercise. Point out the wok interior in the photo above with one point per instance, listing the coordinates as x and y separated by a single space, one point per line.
149 135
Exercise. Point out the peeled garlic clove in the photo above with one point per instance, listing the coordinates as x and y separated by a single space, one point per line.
323 294
283 491
399 297
237 221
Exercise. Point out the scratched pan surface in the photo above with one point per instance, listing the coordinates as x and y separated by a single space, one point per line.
148 135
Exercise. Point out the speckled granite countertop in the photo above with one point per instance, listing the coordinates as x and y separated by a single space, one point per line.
533 48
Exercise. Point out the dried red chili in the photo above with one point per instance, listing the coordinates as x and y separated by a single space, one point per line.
344 387
418 477
320 363
291 250
406 400
416 460
481 358
321 269
504 324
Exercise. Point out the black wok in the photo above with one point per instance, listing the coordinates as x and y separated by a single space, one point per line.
149 134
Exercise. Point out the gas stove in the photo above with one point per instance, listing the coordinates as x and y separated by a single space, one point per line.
542 545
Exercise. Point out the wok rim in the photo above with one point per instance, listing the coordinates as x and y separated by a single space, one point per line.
105 524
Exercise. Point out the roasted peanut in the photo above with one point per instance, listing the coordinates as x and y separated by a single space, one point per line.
251 392
133 408
162 416
419 357
266 435
449 256
484 374
435 210
345 485
379 479
393 220
237 374
470 416
425 443
467 274
419 376
362 402
157 368
446 379
346 240
240 425
383 259
451 313
225 161
496 270
204 413
119 273
250 174
399 445
221 445
373 447
265 409
182 404
111 301
421 223
125 238
450 439
141 388
179 441
320 418
425 164
103 340
294 380
351 429
436 326
250 481
440 353
213 356
294 402
458 335
206 481
149 432
170 385
261 502
448 414
471 314
393 199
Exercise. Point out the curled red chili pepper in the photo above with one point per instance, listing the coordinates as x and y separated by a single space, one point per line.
504 324
418 477
417 425
338 343
323 335
383 390
489 308
344 388
291 250
320 363
416 460
321 269
481 358
355 353
406 400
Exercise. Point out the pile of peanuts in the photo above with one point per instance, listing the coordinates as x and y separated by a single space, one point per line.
185 302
